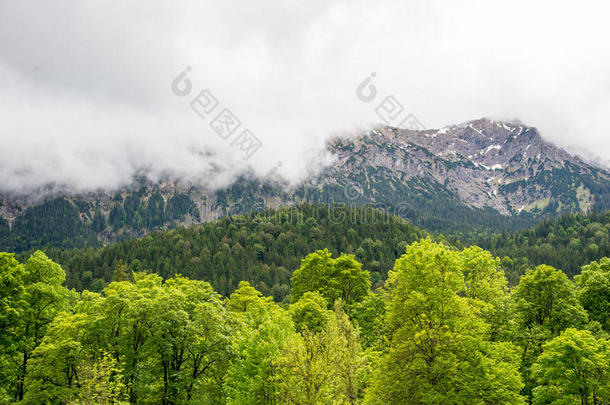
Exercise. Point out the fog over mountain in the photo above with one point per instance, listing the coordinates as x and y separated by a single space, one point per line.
87 98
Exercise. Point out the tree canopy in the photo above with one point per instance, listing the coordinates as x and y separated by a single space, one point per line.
445 328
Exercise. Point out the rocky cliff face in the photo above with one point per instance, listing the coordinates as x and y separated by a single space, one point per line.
483 163
480 175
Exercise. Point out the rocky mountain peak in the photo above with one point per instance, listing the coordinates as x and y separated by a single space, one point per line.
486 163
492 144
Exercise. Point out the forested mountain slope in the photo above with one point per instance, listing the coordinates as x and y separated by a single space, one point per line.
264 248
480 176
567 243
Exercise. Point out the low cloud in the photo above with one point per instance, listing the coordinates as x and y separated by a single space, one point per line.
87 100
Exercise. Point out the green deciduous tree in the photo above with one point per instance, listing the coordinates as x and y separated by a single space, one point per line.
573 368
100 383
349 282
12 306
342 278
169 343
368 315
312 275
263 332
70 366
546 297
546 304
38 299
310 313
322 367
594 291
485 283
190 336
438 349
64 369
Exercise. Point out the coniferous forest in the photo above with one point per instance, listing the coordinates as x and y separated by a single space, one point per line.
265 247
312 305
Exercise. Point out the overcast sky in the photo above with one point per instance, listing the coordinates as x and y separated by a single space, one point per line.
86 86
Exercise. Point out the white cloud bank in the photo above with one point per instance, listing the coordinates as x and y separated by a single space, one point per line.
86 100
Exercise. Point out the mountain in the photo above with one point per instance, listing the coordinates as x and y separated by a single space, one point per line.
263 248
480 176
514 168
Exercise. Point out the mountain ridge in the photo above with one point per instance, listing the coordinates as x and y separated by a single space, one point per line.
479 175
511 153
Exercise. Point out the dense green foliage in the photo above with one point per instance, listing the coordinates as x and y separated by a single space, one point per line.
445 342
341 278
573 368
32 296
262 248
445 329
567 242
594 291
